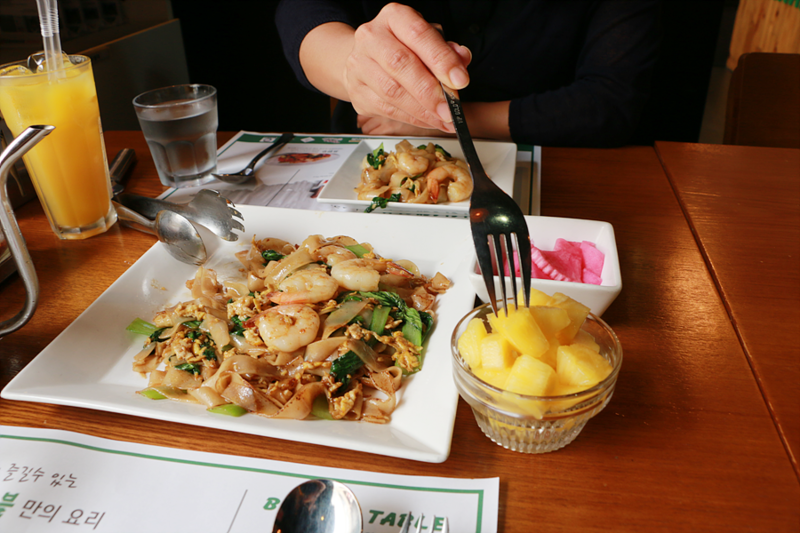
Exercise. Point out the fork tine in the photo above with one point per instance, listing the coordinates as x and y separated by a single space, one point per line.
407 523
236 213
446 526
419 523
235 224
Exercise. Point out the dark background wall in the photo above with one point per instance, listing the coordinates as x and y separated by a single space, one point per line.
234 46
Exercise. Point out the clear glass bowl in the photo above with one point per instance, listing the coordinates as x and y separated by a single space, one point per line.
535 424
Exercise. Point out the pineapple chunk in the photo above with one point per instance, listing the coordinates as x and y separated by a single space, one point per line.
497 352
537 298
577 314
469 343
531 377
493 376
551 320
585 338
580 366
521 330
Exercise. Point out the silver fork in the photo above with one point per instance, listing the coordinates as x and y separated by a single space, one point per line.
498 226
407 525
248 172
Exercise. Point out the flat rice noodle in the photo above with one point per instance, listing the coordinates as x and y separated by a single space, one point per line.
175 394
146 360
299 407
205 284
156 378
235 289
181 379
244 364
217 329
323 349
254 283
236 389
207 396
342 316
241 344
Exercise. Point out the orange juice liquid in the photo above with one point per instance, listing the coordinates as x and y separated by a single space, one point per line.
68 167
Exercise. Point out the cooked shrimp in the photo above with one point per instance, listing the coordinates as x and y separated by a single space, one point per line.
287 328
458 180
365 274
333 253
413 163
306 286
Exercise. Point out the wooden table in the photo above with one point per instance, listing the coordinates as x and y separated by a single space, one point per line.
743 205
686 444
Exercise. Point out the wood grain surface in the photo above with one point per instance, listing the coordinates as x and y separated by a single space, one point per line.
686 444
743 203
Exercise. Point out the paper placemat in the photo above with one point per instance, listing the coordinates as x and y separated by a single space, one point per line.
53 480
296 182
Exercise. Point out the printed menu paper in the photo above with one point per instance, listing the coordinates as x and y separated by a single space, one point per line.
52 480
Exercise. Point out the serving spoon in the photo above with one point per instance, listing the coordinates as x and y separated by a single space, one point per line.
319 506
249 171
181 238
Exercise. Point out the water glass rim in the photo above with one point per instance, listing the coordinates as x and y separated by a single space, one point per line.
194 92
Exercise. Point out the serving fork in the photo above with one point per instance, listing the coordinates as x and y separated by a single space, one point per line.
499 230
208 208
407 525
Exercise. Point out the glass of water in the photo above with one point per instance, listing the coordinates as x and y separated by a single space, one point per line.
180 126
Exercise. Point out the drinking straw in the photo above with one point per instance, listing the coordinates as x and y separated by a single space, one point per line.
48 21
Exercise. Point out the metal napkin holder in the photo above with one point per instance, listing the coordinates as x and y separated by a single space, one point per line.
8 223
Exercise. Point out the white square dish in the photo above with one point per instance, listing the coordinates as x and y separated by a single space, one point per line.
89 364
499 159
544 232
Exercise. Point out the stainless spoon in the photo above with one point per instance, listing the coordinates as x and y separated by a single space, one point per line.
319 506
176 231
248 172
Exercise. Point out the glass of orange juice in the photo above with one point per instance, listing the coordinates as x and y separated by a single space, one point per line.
68 168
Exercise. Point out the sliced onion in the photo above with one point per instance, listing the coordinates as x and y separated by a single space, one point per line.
341 316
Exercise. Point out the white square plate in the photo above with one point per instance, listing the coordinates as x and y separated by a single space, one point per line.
89 364
499 160
544 232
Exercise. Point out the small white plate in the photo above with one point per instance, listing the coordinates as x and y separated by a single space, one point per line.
499 160
89 364
544 232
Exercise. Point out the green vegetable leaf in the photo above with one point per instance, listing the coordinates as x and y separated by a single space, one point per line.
357 249
343 367
153 394
382 202
192 324
238 328
194 368
271 255
230 409
210 354
374 159
141 327
442 150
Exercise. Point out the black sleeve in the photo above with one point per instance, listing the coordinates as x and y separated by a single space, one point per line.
295 18
601 107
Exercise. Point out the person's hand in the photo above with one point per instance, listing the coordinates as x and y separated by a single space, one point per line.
385 126
395 66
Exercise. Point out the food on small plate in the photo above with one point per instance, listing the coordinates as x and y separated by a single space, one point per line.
301 158
326 329
535 351
578 262
425 174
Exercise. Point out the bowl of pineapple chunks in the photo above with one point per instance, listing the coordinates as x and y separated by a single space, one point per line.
536 376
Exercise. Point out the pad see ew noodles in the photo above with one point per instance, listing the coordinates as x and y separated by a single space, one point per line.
327 328
425 174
